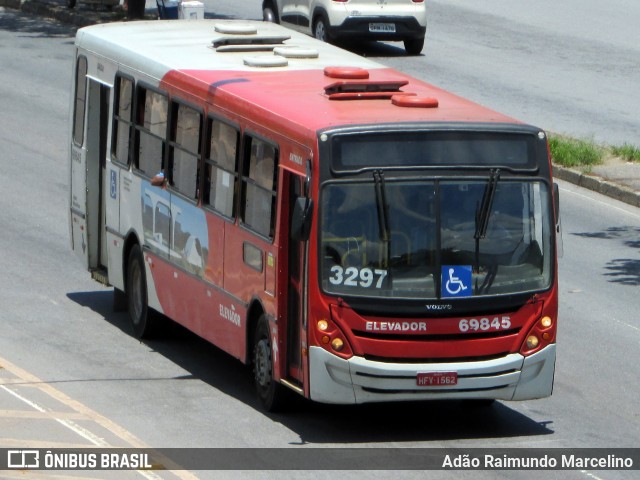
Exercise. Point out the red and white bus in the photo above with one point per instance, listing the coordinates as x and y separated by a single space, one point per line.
352 233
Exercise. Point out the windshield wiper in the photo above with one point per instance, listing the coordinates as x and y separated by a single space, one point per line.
483 213
383 211
381 204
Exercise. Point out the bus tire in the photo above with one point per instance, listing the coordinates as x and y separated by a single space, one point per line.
140 314
271 394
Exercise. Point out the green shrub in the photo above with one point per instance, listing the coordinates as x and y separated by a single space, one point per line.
570 152
628 152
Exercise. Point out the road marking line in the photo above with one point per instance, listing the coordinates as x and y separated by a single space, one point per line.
20 474
26 444
607 204
40 415
25 400
87 413
590 475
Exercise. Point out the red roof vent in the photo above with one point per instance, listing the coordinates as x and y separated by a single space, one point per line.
348 73
415 102
346 90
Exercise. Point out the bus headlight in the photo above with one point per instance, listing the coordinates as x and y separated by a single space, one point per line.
532 342
330 337
539 336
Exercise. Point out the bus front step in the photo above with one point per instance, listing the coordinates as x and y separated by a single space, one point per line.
101 275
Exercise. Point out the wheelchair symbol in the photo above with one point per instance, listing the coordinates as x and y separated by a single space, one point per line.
113 184
456 281
454 285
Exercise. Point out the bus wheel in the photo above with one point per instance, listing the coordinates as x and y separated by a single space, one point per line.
272 395
139 312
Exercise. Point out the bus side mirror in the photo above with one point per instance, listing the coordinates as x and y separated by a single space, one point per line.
556 202
301 219
556 211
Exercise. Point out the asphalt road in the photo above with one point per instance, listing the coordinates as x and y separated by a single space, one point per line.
570 67
63 349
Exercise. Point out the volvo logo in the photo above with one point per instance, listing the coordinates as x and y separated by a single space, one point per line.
437 306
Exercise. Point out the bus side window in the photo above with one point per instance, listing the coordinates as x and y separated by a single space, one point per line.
185 149
221 167
259 186
122 120
151 130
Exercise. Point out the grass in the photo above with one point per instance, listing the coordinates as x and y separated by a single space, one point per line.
573 152
627 152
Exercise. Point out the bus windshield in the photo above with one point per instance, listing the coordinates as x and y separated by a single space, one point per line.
418 239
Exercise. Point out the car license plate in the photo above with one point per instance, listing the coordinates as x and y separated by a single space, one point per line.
382 27
437 379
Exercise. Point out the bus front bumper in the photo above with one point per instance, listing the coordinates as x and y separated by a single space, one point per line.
513 377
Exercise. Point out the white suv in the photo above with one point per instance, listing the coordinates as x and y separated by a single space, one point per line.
331 20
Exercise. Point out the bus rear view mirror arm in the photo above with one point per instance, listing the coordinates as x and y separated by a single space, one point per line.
301 219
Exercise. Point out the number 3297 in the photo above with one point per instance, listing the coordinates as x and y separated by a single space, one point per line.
357 277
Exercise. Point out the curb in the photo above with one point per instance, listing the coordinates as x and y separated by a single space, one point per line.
597 184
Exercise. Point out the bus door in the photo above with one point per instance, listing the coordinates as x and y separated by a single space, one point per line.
296 321
88 165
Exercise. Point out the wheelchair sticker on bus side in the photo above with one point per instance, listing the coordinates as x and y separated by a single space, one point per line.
456 281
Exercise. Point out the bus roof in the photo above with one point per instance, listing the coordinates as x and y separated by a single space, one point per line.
231 63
